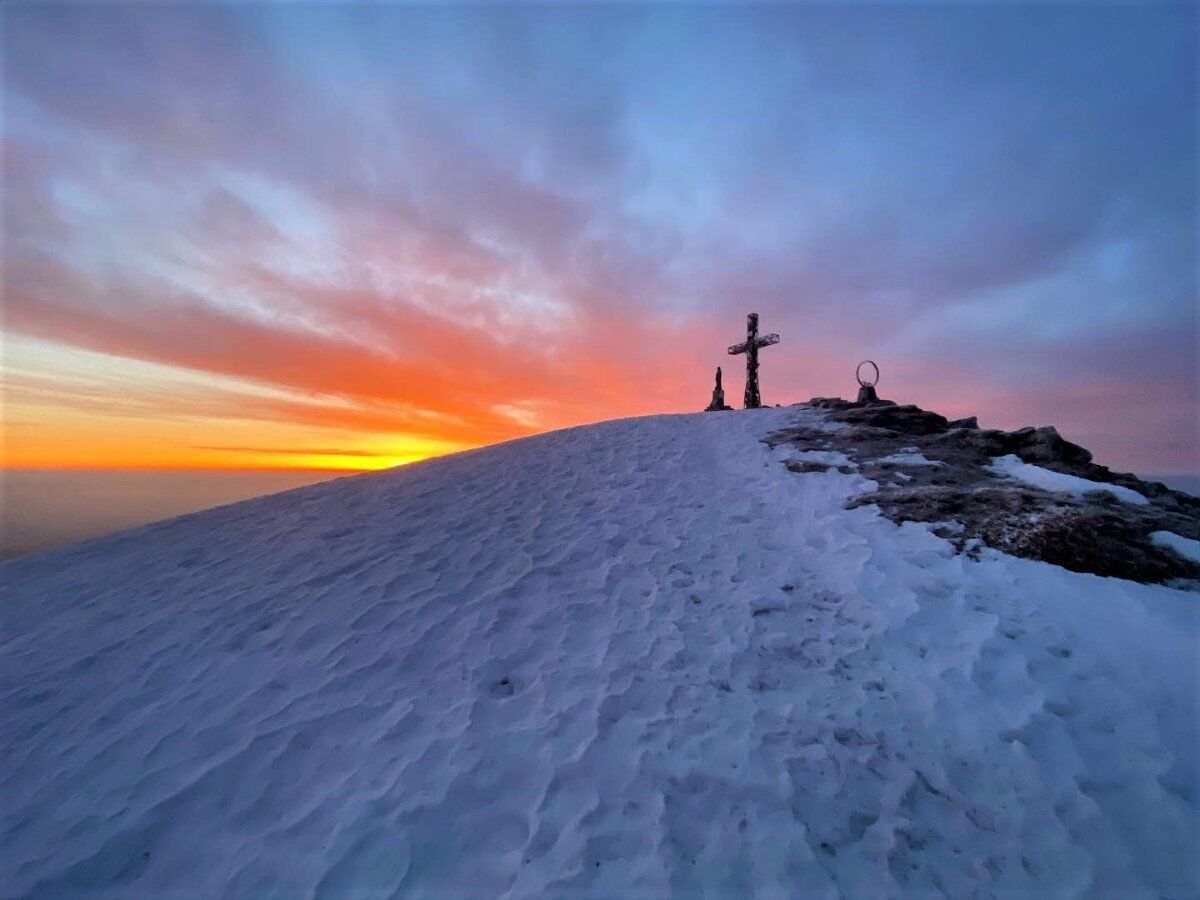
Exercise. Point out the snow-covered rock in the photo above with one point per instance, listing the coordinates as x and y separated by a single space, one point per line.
638 658
1011 466
1185 547
909 458
1028 492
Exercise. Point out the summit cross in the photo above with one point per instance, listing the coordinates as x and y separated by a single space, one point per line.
750 348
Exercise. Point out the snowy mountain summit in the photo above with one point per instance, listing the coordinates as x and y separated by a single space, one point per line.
811 651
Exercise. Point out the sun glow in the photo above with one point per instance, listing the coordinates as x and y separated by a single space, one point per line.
72 409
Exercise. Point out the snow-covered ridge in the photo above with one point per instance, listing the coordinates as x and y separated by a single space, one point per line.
640 658
1028 492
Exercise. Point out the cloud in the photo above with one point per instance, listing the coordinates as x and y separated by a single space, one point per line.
470 223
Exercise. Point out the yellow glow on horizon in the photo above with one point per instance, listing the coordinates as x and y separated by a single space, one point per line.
290 461
70 441
104 412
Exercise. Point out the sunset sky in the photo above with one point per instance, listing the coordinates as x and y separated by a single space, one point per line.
319 236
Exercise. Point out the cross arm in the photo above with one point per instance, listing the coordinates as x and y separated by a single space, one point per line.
765 341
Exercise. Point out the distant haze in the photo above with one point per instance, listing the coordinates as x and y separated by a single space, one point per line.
1188 483
41 509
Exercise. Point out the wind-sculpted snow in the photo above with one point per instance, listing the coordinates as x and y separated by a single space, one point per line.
632 659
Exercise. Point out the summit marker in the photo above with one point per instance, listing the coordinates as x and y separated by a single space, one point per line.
750 347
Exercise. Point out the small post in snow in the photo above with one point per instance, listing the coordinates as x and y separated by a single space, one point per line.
750 348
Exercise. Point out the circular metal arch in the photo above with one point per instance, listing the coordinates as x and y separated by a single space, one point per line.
858 373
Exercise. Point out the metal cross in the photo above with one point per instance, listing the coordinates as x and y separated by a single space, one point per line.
750 348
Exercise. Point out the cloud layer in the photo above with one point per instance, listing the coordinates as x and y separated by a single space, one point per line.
454 226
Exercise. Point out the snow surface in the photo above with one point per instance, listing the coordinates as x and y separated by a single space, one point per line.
1048 480
1185 547
910 458
630 659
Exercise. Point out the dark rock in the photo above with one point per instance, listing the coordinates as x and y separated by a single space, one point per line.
830 403
906 419
799 466
1044 445
968 422
1091 538
986 442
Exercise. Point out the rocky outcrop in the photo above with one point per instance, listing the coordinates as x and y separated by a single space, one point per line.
928 469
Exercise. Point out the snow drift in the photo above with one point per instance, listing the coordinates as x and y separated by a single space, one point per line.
630 659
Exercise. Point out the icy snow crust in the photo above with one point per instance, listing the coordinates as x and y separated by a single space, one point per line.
1185 547
1049 480
629 659
909 458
